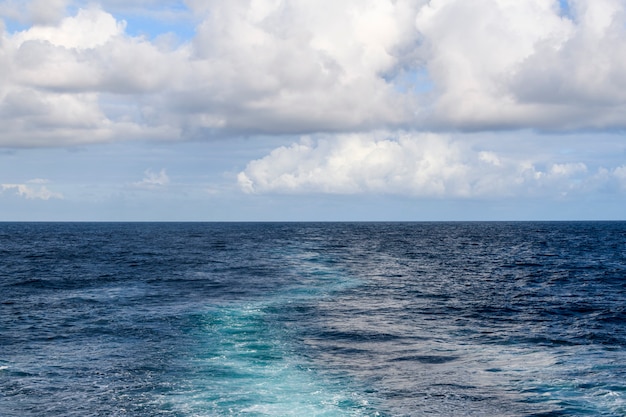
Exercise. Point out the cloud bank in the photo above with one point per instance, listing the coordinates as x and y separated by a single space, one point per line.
252 67
302 67
420 165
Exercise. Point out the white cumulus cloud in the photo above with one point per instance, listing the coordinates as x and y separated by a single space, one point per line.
415 164
255 67
503 64
90 28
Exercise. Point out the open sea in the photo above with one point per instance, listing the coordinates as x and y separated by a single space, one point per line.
313 319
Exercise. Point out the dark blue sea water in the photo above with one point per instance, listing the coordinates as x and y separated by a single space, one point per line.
305 319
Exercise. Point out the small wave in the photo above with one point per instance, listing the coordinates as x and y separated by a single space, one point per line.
426 359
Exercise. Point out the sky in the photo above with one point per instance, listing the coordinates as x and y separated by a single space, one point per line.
307 110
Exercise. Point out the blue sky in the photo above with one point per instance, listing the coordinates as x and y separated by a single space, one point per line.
312 110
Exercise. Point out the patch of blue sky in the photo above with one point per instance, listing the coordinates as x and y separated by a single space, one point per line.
13 26
155 25
150 23
416 81
565 10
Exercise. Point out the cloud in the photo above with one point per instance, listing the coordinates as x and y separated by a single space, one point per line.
90 28
38 181
153 180
31 192
416 164
256 67
498 64
619 174
298 66
47 11
253 67
357 163
81 81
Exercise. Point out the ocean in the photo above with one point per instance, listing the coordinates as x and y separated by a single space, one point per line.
313 319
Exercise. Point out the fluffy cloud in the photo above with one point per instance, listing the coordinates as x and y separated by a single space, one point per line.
59 83
88 29
44 12
298 66
33 190
502 64
305 66
423 165
253 66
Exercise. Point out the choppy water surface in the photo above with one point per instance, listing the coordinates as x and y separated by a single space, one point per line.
306 319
